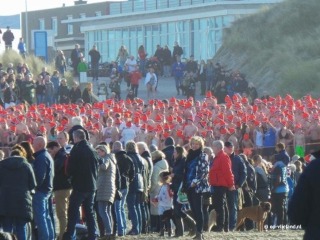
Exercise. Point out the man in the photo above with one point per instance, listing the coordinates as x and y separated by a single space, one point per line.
83 170
222 180
8 38
77 124
177 71
177 51
63 139
44 173
95 58
282 154
159 55
61 184
192 66
75 59
239 171
127 173
304 208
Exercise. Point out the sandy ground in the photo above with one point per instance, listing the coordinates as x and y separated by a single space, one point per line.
254 235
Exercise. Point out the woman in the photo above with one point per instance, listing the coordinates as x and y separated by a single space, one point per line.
159 165
17 180
106 186
75 92
122 56
196 181
202 76
179 156
40 89
63 92
142 56
60 62
87 93
29 151
263 190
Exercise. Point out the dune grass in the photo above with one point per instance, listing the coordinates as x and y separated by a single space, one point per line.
278 48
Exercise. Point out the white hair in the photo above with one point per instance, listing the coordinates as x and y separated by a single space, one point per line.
143 145
218 144
76 121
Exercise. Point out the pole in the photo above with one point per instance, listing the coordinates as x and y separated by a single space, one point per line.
26 27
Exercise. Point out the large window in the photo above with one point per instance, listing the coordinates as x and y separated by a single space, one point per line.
54 25
41 24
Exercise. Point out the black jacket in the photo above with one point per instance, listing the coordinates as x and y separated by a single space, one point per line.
83 167
60 180
16 182
178 171
126 168
168 151
304 207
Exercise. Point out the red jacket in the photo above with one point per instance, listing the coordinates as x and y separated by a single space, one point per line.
220 173
135 77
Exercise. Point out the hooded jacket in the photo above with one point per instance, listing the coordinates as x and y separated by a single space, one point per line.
17 180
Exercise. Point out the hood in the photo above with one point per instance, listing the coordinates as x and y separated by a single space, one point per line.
13 162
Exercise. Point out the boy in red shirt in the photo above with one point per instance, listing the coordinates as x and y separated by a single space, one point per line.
135 77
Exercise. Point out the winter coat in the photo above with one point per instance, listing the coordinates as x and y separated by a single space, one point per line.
220 174
304 208
239 170
159 166
168 151
178 171
43 167
139 167
106 183
16 182
126 168
147 157
83 167
60 180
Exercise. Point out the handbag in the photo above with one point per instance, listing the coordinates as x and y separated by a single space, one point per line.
182 197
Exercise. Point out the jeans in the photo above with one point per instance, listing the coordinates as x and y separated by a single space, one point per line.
195 201
177 207
86 199
40 98
42 218
16 226
133 203
178 81
95 70
232 200
134 89
219 200
120 213
105 214
61 198
48 100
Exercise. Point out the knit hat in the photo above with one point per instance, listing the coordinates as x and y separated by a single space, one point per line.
169 141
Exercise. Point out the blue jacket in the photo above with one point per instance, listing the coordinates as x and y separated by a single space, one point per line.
279 182
282 156
239 170
43 167
178 69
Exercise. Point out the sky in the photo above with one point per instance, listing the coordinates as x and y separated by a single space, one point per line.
19 6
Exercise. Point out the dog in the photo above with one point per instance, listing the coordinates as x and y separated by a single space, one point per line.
257 214
212 219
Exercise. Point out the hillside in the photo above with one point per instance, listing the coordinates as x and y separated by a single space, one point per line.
278 48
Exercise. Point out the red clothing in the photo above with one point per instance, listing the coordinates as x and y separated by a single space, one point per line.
220 173
142 55
135 77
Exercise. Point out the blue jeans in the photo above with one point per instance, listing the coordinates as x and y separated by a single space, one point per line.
42 218
104 208
16 226
48 100
86 199
178 81
40 98
232 200
133 203
120 213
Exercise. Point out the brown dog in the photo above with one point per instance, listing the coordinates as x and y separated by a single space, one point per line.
257 214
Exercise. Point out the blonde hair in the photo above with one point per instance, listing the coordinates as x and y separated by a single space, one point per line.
104 148
157 155
197 139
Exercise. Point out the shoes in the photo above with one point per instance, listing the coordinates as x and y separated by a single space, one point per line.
132 233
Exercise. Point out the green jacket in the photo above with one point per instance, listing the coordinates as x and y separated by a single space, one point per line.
82 67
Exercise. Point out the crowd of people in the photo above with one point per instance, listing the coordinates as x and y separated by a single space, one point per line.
224 152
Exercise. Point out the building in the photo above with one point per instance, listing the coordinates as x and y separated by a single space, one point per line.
197 25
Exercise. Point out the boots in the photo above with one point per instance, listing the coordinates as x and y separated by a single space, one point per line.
192 226
199 236
179 227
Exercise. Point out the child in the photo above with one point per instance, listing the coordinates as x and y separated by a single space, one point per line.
115 88
165 203
82 69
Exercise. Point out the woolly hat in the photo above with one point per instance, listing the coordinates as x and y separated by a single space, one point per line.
169 141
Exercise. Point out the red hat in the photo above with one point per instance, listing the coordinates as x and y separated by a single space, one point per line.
42 129
13 128
60 128
129 124
158 118
143 127
150 128
246 136
208 94
170 118
52 124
